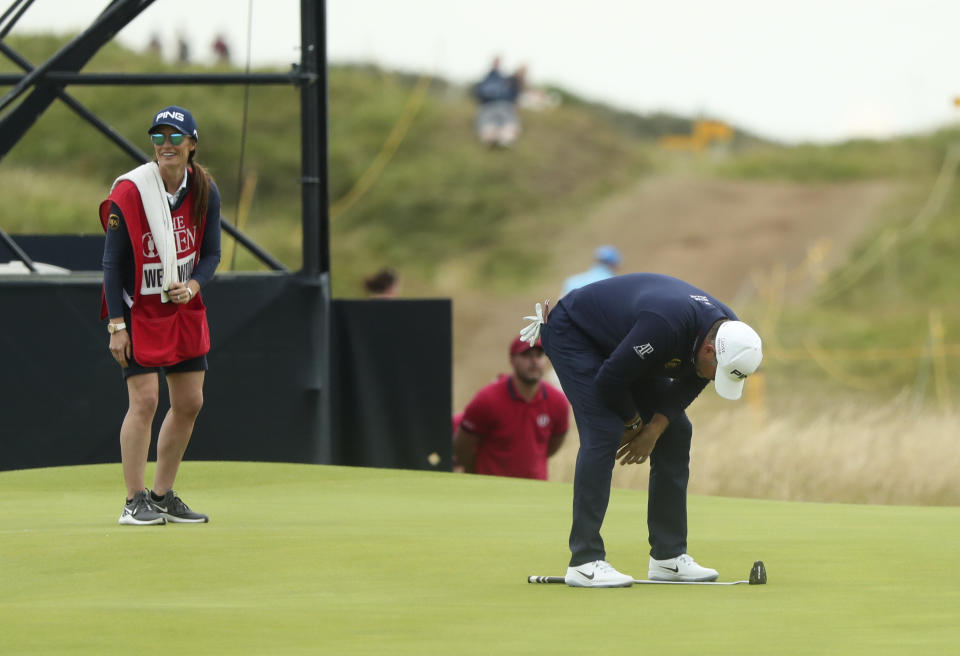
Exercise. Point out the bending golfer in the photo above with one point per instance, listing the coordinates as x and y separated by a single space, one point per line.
632 352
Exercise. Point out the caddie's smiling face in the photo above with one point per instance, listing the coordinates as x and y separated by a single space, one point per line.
170 155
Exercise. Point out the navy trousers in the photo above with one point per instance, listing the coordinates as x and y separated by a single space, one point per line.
576 361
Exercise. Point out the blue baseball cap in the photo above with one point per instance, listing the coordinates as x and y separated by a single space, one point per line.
608 255
176 117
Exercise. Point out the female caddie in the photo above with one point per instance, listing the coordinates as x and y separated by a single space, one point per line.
162 223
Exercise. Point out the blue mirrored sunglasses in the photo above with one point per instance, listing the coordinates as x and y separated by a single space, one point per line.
158 138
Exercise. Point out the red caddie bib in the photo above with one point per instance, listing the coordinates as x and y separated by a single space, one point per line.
162 334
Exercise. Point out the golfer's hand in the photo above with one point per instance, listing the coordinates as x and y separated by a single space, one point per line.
638 449
120 348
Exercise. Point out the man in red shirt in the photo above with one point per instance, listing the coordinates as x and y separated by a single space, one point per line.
515 423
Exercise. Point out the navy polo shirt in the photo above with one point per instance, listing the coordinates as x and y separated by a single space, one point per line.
648 328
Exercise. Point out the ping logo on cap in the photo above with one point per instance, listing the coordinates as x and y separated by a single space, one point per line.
177 116
738 374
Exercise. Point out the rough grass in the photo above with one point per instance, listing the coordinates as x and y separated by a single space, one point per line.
812 448
71 209
858 159
858 453
308 559
881 317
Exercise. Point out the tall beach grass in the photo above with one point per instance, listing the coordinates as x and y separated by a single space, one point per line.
851 452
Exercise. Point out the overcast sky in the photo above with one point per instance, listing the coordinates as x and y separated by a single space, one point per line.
812 70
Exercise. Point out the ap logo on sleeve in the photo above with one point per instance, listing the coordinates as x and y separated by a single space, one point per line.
643 350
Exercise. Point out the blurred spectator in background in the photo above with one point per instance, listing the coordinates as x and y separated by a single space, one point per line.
515 423
533 98
221 50
154 46
606 261
518 84
385 283
497 123
183 49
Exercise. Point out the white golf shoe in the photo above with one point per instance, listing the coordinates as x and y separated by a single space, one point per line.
681 568
598 574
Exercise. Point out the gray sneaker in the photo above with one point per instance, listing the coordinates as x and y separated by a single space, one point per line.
140 512
175 510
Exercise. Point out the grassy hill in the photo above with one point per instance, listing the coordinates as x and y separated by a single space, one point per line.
440 197
308 559
411 188
891 306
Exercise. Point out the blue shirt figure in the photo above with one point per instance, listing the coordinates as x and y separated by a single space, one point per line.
606 262
632 352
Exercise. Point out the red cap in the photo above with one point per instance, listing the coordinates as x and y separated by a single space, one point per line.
518 346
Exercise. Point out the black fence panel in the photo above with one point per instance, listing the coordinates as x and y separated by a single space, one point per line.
392 363
269 392
62 397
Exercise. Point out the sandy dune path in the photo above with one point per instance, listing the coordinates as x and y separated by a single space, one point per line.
716 234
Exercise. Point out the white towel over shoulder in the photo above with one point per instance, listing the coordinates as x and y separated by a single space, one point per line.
155 205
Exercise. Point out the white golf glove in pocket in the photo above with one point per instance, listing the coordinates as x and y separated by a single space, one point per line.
531 333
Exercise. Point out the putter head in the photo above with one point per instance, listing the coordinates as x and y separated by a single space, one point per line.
758 573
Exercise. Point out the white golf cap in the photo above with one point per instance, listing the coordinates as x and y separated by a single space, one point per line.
738 355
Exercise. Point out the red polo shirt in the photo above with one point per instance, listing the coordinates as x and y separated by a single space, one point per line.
515 433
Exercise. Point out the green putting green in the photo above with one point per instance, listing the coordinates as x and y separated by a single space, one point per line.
303 559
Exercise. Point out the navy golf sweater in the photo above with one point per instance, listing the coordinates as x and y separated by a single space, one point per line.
648 326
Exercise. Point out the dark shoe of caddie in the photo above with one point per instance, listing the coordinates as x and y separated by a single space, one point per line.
140 512
175 510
